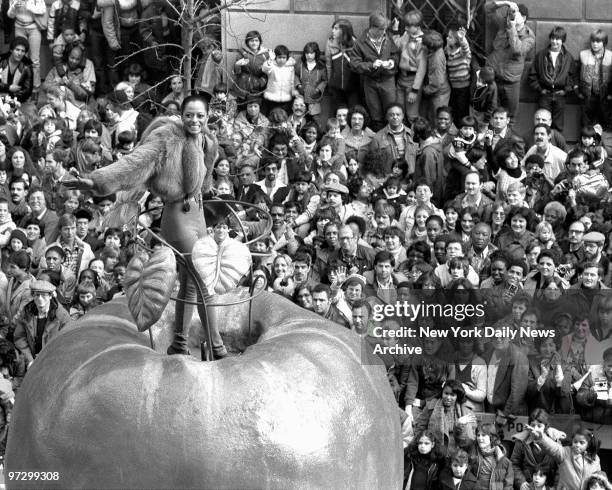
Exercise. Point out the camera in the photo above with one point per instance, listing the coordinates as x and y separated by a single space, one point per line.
563 269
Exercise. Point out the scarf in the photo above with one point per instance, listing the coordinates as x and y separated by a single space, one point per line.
442 423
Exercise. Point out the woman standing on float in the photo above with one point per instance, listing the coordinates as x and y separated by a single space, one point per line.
174 160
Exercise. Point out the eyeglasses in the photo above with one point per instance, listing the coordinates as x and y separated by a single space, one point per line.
577 232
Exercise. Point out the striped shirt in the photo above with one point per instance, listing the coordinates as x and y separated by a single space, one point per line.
458 65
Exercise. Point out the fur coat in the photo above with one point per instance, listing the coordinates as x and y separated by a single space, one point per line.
166 162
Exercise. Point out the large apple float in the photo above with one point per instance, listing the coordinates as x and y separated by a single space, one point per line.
297 409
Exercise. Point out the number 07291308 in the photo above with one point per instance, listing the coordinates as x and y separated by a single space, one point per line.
32 476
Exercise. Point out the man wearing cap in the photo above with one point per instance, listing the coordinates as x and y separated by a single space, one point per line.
593 244
273 188
251 121
40 212
335 193
357 258
513 42
78 254
39 321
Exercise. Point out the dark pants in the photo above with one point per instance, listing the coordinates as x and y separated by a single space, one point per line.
556 105
268 105
460 102
349 98
378 96
509 96
595 109
103 59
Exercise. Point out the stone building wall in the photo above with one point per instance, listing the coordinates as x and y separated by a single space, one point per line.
295 22
579 18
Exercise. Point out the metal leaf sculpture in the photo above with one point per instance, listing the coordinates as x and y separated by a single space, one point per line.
148 285
220 265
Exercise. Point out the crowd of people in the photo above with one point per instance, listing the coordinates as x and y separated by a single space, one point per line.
419 188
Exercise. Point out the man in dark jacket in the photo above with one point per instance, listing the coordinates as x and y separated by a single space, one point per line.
16 71
375 57
39 321
550 76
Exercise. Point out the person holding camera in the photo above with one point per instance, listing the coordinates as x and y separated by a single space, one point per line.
513 42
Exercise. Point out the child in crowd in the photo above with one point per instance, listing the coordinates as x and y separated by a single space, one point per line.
311 79
485 98
437 91
422 462
412 64
281 79
458 66
576 462
594 65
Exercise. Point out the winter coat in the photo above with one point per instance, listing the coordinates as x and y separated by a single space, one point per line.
510 48
311 83
280 80
574 469
384 142
586 71
115 15
485 99
501 477
338 66
544 76
445 481
23 76
437 79
412 61
32 12
432 474
250 79
167 162
364 54
15 300
524 459
25 327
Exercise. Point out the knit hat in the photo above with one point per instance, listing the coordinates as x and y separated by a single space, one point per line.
19 235
487 74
